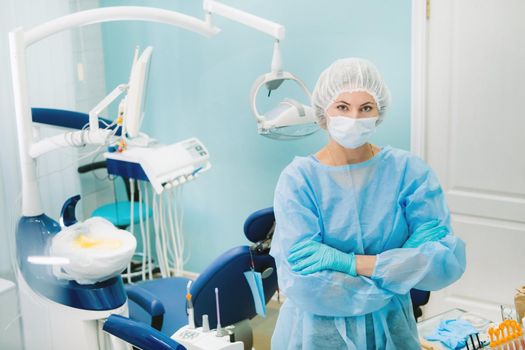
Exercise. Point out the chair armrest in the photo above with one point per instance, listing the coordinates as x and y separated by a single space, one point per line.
149 303
139 334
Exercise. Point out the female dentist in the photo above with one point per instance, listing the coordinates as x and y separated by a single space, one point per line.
357 227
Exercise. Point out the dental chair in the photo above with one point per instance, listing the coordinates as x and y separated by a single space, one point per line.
162 302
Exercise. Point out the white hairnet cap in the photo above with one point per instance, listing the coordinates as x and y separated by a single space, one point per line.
349 75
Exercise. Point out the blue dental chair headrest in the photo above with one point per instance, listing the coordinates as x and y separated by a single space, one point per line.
259 225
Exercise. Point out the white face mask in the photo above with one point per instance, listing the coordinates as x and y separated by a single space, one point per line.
351 132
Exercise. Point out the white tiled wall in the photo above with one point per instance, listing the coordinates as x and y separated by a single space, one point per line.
10 330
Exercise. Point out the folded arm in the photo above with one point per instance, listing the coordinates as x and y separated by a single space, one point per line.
432 258
432 266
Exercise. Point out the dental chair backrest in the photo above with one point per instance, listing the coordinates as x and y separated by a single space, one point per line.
227 274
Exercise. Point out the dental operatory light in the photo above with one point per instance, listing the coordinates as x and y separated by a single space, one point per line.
290 119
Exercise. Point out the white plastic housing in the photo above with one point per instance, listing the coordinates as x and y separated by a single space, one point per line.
271 28
136 93
163 165
197 339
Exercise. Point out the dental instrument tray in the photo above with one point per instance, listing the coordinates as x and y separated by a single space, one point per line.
164 166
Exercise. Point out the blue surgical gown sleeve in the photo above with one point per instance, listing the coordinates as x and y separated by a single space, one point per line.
325 293
433 265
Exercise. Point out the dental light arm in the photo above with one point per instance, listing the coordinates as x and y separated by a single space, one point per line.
263 25
277 60
273 29
108 14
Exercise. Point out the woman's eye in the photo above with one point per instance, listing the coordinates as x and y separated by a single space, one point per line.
367 109
342 108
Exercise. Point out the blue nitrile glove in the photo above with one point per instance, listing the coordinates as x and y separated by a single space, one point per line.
427 232
307 257
452 333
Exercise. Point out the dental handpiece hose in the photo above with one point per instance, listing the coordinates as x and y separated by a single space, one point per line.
220 332
191 316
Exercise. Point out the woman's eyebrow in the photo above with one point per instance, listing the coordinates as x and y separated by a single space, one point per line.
348 104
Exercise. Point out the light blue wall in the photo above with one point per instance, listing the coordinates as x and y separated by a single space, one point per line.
199 87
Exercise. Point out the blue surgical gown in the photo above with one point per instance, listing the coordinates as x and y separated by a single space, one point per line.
368 208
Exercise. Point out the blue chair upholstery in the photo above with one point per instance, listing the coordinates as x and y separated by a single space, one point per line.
258 227
148 303
171 293
225 273
139 334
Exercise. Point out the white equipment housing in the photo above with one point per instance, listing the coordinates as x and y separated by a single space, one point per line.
55 326
136 93
162 166
197 339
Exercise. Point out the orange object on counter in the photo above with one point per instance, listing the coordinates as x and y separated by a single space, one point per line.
507 330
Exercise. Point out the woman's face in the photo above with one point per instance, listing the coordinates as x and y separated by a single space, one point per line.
357 104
